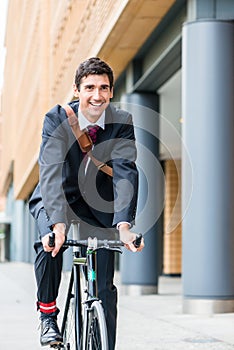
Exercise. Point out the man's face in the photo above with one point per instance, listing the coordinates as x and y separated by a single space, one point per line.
94 95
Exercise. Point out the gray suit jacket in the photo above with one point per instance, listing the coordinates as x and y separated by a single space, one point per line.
64 185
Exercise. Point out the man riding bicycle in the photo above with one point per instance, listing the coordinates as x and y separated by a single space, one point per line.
74 186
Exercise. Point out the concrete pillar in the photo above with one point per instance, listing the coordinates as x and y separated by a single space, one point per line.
18 237
2 247
208 134
139 272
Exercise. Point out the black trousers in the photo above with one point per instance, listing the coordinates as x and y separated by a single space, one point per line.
48 276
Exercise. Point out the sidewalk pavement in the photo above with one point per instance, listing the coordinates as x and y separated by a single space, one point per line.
152 322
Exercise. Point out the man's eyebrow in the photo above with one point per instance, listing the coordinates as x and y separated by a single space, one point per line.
88 85
92 85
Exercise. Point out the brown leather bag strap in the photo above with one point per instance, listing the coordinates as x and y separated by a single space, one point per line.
101 166
85 141
82 137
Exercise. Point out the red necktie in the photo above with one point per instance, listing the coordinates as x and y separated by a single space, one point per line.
92 130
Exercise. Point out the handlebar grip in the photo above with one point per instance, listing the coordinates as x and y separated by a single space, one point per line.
51 239
137 241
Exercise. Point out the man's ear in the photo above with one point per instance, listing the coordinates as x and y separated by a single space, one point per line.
75 90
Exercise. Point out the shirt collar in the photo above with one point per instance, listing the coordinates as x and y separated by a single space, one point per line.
84 122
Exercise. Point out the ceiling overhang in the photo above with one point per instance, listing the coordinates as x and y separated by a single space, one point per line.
135 24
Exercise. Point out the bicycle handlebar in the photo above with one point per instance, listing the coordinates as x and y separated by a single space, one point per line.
137 241
105 243
100 243
51 239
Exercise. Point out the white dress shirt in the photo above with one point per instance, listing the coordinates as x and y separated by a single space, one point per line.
84 122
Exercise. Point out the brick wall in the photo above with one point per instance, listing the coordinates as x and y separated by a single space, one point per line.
172 219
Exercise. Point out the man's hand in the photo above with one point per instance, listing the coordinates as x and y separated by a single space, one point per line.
128 237
59 230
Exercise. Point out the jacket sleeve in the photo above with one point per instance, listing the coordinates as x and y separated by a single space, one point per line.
38 212
125 174
51 166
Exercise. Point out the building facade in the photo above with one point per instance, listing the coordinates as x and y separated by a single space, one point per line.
158 50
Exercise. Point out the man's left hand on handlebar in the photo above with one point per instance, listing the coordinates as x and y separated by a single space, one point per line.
128 237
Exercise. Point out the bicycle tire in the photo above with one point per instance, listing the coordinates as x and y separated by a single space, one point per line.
96 331
70 330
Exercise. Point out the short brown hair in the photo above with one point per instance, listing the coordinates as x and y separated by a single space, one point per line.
93 65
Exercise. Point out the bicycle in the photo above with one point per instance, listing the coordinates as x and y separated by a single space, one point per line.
83 324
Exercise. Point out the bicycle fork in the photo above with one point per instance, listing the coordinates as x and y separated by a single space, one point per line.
76 295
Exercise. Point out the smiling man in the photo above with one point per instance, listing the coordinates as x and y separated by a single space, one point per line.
94 93
73 187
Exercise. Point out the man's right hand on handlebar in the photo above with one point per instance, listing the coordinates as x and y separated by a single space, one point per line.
60 235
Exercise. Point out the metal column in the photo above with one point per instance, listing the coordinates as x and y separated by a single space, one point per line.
139 272
208 134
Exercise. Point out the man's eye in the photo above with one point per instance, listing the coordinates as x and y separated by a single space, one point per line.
89 88
105 88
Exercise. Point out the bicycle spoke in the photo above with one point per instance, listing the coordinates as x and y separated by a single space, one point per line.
69 333
97 334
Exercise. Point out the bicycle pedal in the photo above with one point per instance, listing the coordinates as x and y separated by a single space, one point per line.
57 346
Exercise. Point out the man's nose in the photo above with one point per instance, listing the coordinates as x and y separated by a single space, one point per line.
96 93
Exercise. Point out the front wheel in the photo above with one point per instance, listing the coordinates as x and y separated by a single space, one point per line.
72 319
96 332
69 334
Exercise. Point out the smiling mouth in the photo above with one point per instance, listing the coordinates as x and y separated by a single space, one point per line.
96 104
